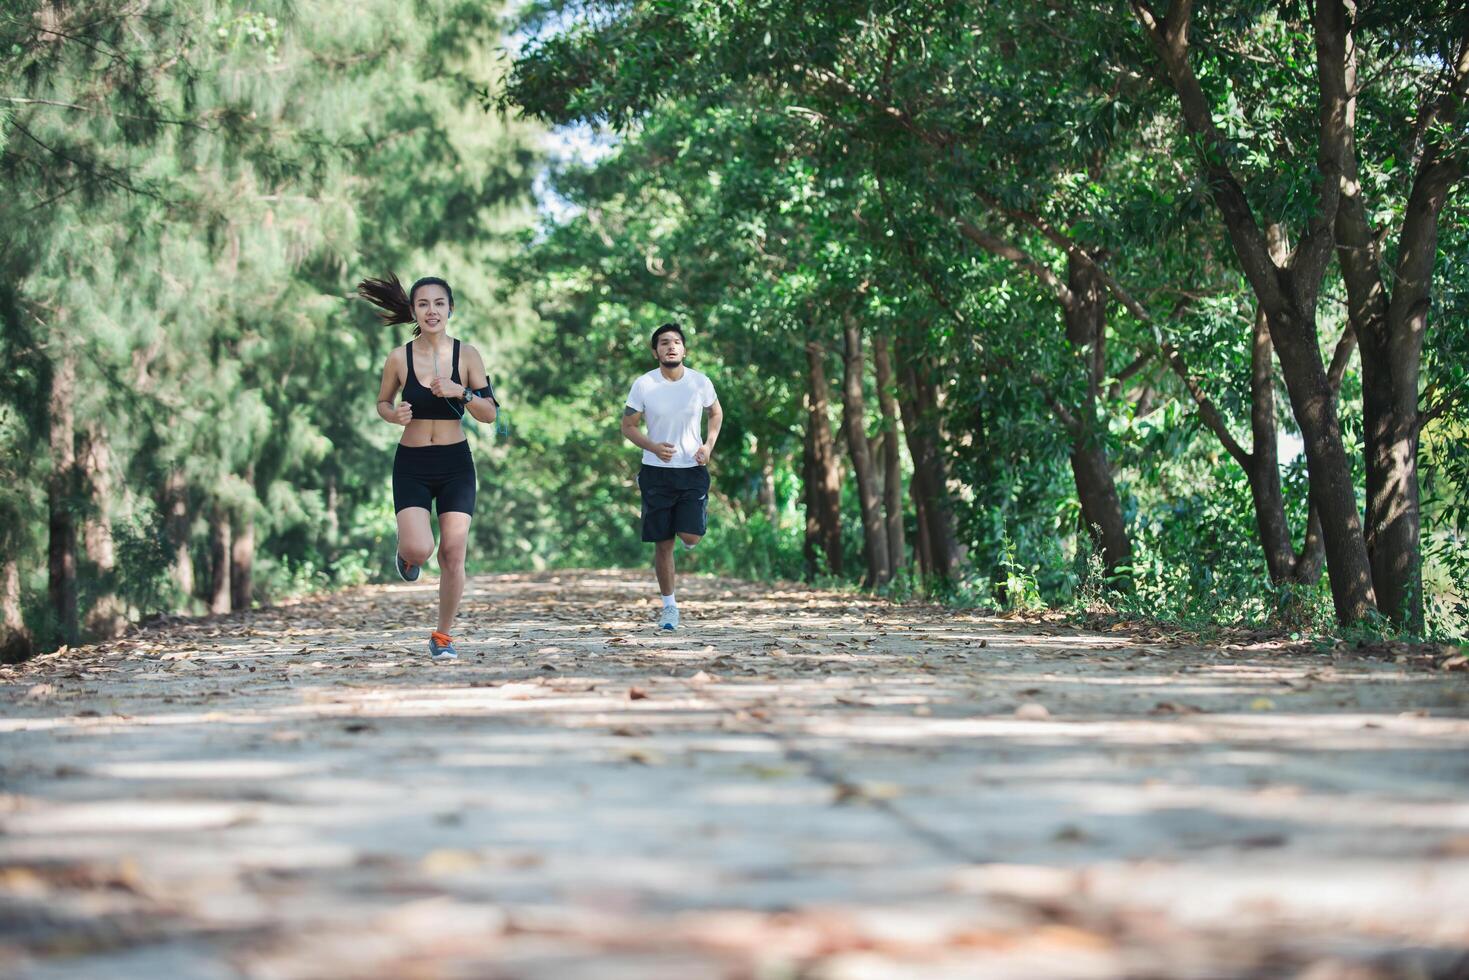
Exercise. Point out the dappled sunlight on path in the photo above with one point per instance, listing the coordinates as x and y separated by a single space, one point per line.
798 783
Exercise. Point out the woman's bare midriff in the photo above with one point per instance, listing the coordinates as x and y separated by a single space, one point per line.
432 432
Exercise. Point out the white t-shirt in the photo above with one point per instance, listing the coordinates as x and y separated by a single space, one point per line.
673 410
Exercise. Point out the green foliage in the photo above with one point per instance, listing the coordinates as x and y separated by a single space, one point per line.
143 562
1015 584
193 188
783 163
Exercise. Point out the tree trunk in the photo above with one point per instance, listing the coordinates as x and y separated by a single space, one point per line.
176 501
825 487
918 405
1390 328
1261 463
16 642
1281 560
921 524
61 499
1101 508
1289 294
1263 470
1390 430
1393 328
767 487
105 619
333 522
1283 563
892 459
1332 491
220 593
242 558
1096 490
854 421
811 498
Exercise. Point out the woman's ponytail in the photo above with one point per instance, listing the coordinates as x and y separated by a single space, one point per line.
389 298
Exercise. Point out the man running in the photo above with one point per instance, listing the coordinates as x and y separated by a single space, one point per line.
673 480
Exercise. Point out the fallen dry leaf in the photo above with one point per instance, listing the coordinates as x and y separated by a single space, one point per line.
1175 708
448 861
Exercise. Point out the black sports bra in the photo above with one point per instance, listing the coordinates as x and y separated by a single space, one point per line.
426 404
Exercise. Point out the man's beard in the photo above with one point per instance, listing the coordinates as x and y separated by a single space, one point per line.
672 363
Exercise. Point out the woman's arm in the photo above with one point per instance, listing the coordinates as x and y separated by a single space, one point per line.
402 413
483 409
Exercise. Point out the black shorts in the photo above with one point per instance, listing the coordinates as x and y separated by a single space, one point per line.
423 474
675 500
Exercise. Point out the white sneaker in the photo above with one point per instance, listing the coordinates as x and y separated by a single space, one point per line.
669 620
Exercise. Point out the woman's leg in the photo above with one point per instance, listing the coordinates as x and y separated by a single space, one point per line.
415 536
453 541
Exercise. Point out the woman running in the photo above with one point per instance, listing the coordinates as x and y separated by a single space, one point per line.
440 379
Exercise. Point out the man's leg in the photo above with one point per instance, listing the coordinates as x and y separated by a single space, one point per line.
658 501
663 565
691 512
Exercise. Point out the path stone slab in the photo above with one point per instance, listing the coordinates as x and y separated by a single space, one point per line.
798 784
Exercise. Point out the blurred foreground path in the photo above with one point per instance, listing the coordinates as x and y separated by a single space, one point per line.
798 784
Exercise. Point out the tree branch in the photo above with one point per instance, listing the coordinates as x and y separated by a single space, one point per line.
99 171
1068 245
1207 410
94 109
1009 251
1138 363
1067 418
1340 358
1436 174
1458 74
1335 76
1438 409
978 236
1169 38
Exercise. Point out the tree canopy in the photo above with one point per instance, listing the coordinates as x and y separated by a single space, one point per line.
1144 309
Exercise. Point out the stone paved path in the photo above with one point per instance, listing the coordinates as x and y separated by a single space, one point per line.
798 785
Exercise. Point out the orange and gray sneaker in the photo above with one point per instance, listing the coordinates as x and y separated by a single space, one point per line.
441 646
407 572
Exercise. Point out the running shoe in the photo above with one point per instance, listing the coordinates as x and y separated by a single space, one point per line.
669 620
441 646
407 572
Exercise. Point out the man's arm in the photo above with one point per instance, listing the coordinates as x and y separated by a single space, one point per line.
716 420
632 420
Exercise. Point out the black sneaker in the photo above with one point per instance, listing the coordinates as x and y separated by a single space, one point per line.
407 572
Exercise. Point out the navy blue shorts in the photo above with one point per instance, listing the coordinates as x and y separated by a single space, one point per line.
675 500
425 474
